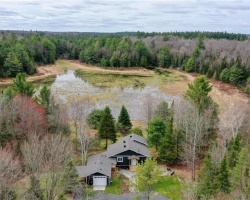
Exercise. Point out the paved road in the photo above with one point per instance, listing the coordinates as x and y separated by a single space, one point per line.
128 196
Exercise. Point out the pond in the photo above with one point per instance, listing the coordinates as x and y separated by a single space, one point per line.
131 93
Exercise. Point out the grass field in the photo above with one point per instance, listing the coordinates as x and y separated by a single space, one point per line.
170 187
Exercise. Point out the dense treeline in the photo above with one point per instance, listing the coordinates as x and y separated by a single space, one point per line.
211 35
20 55
223 59
139 34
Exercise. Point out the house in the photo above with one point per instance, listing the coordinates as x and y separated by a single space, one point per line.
125 153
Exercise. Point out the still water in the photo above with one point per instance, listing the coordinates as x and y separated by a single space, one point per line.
68 85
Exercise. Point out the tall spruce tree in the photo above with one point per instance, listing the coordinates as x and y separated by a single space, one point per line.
162 111
124 122
198 92
207 178
233 151
240 175
156 131
223 177
21 86
107 128
167 148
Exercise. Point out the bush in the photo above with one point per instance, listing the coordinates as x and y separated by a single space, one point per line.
137 131
225 75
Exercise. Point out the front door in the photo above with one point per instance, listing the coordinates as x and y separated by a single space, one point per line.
133 162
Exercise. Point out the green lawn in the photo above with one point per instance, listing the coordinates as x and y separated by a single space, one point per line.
115 187
170 187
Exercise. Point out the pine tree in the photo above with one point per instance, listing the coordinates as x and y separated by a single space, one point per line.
12 65
124 121
156 131
162 111
21 86
44 97
189 67
207 178
223 177
198 92
107 127
167 149
233 152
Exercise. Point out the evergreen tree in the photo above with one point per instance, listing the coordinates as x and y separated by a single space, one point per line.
162 111
107 127
237 75
44 97
143 61
156 131
94 118
34 192
12 65
200 43
190 66
198 92
207 185
164 57
223 177
240 174
49 51
124 121
21 86
167 148
233 151
225 75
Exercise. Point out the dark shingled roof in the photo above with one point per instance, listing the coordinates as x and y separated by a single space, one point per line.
101 163
131 142
98 163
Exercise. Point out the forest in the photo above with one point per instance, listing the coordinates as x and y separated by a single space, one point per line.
219 55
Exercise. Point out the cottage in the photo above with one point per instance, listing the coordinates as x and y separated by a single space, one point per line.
125 153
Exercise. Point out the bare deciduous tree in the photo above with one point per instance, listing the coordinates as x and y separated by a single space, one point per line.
86 139
47 161
33 151
148 107
195 126
10 169
79 109
232 120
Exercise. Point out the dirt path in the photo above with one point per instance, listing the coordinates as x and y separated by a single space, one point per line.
61 65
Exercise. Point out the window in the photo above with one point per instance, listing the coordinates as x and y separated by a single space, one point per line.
119 159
